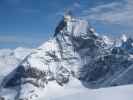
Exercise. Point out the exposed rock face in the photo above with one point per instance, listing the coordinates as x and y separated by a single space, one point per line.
75 51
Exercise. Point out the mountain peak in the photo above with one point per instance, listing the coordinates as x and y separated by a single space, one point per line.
74 27
68 15
76 52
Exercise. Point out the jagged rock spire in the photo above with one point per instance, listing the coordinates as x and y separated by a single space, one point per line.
60 26
68 15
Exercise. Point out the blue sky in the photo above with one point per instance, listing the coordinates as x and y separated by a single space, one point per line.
29 23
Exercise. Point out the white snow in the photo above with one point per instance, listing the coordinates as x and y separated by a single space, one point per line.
80 27
75 91
21 53
107 40
9 59
124 38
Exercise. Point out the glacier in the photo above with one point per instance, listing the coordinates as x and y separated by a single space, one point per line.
77 60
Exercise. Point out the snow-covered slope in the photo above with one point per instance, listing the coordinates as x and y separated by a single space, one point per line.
9 59
72 93
75 59
74 90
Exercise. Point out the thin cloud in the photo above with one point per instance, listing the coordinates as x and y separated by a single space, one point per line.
77 5
18 40
73 7
13 2
112 13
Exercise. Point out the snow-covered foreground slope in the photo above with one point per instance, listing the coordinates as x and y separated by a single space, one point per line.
118 93
75 91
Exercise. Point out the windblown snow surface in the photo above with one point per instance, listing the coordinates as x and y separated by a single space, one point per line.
76 64
75 91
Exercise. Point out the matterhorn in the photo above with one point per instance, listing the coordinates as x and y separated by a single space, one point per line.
75 56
